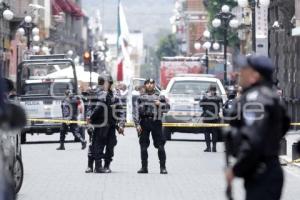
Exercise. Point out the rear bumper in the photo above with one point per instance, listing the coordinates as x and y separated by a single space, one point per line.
42 128
177 117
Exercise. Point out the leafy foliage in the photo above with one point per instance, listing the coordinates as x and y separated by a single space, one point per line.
167 46
150 69
213 8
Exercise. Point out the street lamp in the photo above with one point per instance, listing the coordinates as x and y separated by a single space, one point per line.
70 53
227 19
100 55
206 45
45 49
28 28
253 4
36 49
5 12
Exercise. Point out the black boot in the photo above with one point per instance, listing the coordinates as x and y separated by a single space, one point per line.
98 166
208 149
163 169
106 168
61 146
83 145
214 149
90 167
207 141
144 169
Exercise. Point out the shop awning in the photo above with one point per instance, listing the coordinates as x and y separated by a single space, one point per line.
63 4
55 8
76 10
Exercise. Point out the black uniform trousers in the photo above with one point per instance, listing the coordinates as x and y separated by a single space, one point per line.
214 131
103 138
267 185
74 128
155 128
95 150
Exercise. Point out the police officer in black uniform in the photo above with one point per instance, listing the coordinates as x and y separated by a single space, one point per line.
229 106
112 117
147 118
94 150
257 133
211 105
70 112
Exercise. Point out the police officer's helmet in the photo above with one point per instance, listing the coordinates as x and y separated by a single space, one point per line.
232 94
101 80
8 85
212 88
259 63
149 80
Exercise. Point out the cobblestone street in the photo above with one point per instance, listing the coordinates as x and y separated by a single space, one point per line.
193 174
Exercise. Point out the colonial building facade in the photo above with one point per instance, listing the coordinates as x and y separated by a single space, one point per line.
284 49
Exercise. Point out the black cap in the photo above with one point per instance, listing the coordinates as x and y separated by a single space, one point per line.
259 63
9 85
149 80
101 80
212 87
109 79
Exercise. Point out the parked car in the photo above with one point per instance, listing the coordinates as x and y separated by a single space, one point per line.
183 94
40 89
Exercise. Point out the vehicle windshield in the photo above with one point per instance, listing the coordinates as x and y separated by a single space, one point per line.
192 87
51 88
138 83
33 71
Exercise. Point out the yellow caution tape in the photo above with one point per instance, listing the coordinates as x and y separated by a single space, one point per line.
291 162
195 125
58 121
296 161
295 124
130 124
187 125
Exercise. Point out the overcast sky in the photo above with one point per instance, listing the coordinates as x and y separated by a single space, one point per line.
148 16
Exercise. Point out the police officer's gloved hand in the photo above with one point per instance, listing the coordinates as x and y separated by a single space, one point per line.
162 99
139 130
121 130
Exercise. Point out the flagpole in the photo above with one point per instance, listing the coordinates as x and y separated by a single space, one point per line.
118 28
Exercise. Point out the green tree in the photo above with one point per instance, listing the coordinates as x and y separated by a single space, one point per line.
213 7
167 46
150 69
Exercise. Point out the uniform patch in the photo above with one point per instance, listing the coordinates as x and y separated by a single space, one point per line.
249 118
252 96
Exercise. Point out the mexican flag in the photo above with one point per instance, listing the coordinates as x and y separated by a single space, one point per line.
124 65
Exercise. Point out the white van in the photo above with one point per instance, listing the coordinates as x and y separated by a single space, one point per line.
41 94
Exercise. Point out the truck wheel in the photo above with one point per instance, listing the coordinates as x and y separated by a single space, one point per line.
18 173
23 138
167 133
